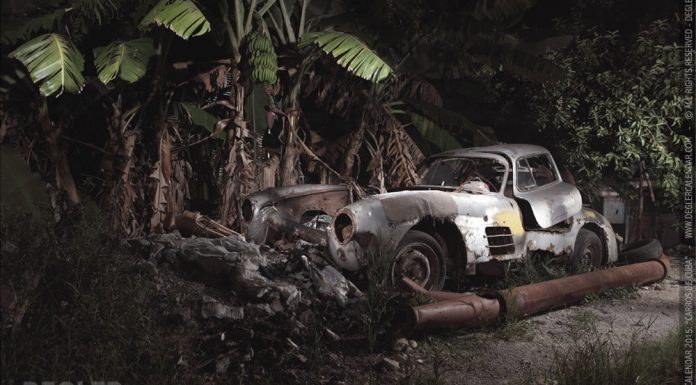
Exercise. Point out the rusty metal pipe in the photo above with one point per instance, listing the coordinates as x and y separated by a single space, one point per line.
432 294
466 310
526 300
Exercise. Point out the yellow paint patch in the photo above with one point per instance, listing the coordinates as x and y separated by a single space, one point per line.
589 214
510 219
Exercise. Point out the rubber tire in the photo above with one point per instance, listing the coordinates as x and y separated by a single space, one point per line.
585 240
425 241
641 250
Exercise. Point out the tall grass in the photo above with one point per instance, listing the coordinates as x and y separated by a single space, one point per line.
595 358
379 294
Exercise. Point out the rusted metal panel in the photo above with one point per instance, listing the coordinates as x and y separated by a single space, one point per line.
285 206
552 203
562 240
406 206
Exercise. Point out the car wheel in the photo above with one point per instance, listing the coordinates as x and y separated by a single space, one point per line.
588 252
419 257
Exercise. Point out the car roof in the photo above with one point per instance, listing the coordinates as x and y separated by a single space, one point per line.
512 150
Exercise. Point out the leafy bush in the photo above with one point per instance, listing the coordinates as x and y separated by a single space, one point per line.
621 108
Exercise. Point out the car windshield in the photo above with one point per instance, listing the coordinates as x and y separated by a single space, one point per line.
466 173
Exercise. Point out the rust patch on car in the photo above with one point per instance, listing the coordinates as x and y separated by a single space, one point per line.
409 207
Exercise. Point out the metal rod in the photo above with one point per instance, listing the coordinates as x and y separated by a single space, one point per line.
465 309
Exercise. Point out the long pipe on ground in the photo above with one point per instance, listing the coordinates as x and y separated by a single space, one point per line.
465 309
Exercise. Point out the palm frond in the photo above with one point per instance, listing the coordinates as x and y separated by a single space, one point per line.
403 157
127 60
453 122
182 17
434 133
53 62
23 29
100 11
350 53
199 116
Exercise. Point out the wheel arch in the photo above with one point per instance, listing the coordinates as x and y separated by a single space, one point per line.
446 232
595 228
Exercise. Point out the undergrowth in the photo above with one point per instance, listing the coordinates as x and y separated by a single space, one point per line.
77 309
378 310
535 267
596 358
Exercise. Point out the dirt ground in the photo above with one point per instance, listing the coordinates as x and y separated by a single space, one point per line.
522 352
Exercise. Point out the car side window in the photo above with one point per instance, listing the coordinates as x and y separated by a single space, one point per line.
525 180
535 171
542 169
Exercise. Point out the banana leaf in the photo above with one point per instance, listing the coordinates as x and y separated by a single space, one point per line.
182 17
127 60
433 133
53 63
199 116
350 53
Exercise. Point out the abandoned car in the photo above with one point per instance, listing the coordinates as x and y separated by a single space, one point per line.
474 208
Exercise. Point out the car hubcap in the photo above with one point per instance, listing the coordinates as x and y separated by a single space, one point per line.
588 257
414 264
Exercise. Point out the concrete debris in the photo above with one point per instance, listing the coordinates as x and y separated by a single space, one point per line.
332 334
390 364
248 273
211 308
249 303
331 283
400 344
222 365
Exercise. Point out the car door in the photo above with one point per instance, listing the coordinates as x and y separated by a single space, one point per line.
538 183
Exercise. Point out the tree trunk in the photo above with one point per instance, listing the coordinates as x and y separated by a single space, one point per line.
117 168
61 185
356 140
240 170
289 173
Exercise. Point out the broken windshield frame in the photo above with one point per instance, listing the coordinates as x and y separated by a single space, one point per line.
453 172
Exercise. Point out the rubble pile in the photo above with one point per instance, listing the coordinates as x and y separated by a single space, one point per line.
258 312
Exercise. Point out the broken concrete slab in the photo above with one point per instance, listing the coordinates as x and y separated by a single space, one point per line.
212 308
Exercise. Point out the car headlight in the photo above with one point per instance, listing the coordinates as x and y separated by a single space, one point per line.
247 210
344 227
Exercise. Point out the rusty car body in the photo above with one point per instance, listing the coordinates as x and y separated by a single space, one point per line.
474 208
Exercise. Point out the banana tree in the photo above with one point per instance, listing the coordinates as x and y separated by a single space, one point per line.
256 31
56 66
347 50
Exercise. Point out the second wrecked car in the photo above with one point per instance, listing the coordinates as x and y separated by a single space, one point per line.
473 207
